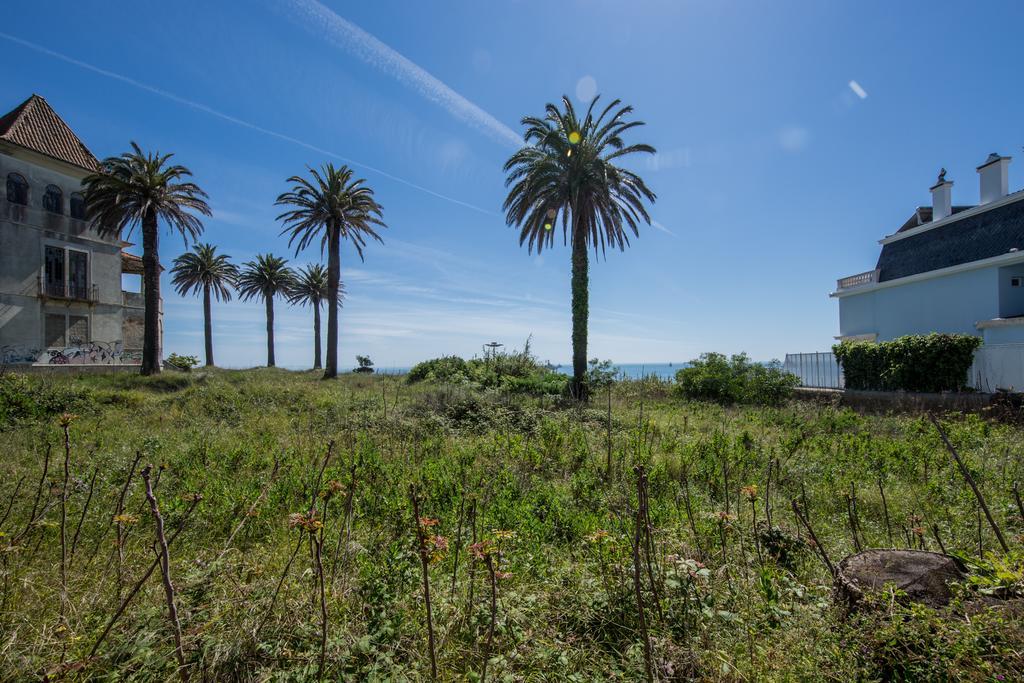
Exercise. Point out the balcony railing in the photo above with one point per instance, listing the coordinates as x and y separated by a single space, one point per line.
859 280
68 290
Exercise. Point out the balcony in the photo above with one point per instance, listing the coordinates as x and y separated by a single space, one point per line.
133 299
859 280
68 291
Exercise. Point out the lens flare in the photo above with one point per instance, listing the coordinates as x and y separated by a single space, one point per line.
574 138
547 226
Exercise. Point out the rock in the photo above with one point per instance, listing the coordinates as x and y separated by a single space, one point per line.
923 576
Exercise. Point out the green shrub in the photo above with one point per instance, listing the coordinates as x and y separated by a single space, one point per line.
933 362
714 377
24 398
514 371
185 363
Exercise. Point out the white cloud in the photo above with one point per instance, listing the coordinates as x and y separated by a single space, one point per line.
858 90
199 106
322 21
658 226
673 158
793 138
586 89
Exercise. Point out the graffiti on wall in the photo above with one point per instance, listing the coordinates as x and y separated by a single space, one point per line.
79 353
91 353
17 354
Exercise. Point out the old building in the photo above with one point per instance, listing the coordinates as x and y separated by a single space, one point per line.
62 300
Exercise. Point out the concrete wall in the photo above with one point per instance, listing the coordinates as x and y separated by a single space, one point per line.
25 231
1011 299
951 304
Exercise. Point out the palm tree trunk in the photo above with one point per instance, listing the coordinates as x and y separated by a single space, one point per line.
269 298
333 278
580 308
316 335
208 324
151 277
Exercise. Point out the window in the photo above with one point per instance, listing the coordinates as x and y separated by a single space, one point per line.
53 199
66 273
17 189
1016 281
78 206
66 329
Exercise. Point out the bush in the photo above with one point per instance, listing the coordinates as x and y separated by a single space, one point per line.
185 363
515 371
933 362
714 377
22 398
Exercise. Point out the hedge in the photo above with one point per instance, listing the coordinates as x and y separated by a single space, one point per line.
932 363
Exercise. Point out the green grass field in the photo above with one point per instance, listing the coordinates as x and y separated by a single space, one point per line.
528 514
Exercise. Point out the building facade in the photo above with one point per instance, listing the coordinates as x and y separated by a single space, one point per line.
951 269
62 300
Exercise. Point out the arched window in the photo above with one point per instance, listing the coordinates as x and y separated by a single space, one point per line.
78 206
17 189
53 199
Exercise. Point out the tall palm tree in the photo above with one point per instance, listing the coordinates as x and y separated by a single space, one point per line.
141 189
204 270
332 206
311 288
266 277
568 170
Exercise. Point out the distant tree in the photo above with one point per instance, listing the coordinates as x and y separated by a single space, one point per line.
332 206
141 189
204 270
311 288
266 277
568 170
365 364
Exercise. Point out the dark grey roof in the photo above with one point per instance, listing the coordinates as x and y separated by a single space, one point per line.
980 236
923 215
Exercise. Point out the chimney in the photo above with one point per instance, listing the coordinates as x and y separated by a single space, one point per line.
994 178
942 197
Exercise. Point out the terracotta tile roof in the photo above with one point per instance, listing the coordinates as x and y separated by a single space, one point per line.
130 263
34 125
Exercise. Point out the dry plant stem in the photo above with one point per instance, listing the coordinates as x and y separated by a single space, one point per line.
689 515
252 509
277 589
810 532
472 565
938 539
81 517
970 481
885 512
494 618
458 537
165 571
32 518
425 565
638 592
10 503
64 520
345 528
767 501
1016 498
608 465
142 580
648 543
319 543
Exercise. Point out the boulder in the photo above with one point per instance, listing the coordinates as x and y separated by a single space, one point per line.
923 576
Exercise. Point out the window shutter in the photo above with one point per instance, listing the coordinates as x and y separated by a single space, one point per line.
78 330
55 330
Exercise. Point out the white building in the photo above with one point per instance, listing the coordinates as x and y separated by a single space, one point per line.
952 269
61 295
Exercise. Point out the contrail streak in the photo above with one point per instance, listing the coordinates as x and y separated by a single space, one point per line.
322 21
198 106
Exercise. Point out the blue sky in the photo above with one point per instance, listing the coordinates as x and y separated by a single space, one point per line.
774 177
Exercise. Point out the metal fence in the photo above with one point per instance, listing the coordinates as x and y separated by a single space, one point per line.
819 370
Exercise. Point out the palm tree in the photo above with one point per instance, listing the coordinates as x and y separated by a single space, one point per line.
204 270
266 277
311 288
568 170
142 188
332 206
